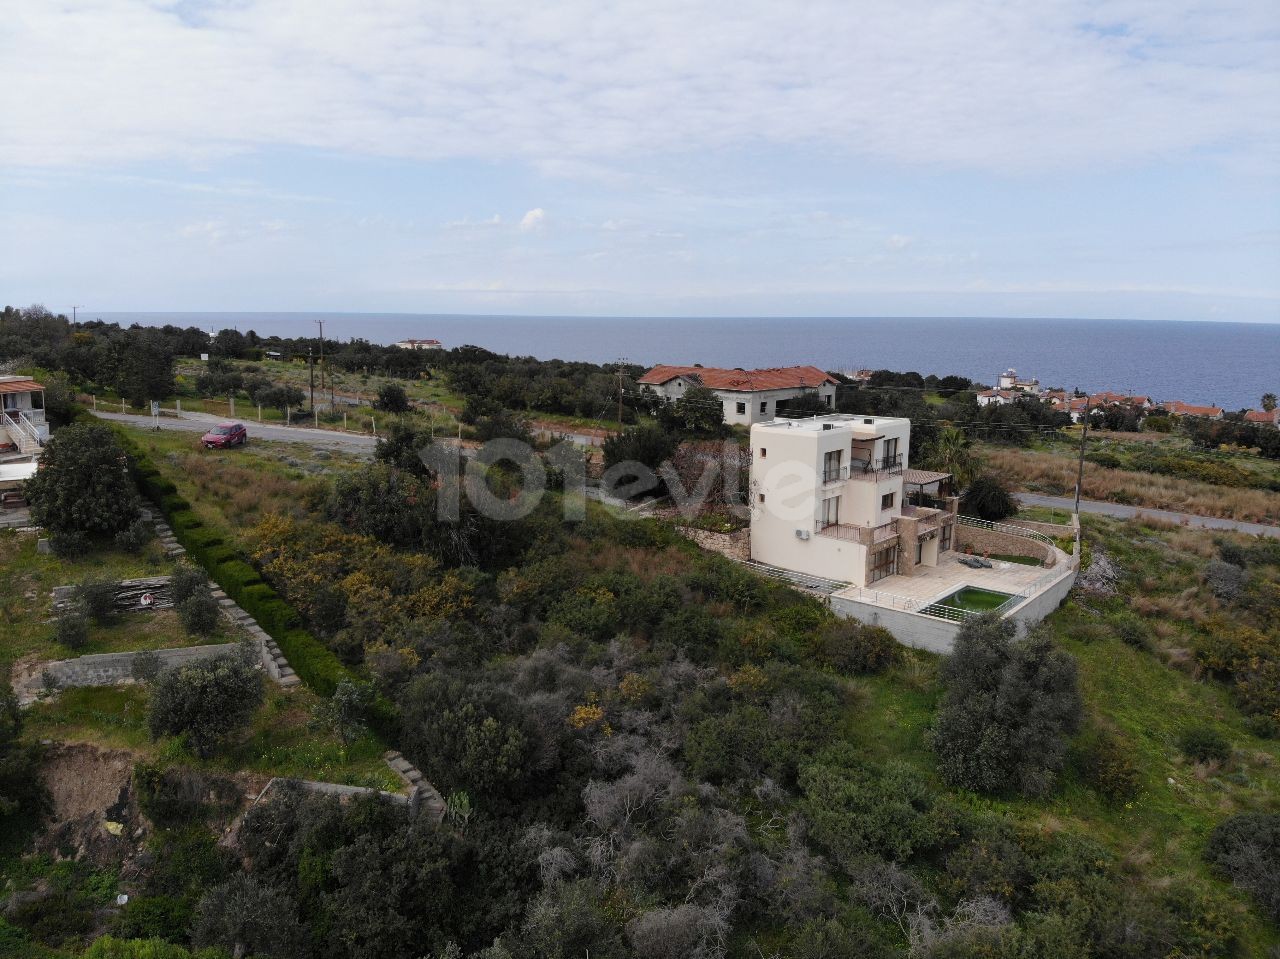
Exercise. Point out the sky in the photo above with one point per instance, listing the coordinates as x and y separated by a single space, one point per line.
664 157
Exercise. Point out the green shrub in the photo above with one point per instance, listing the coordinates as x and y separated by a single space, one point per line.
154 917
1246 849
68 543
187 581
174 503
145 667
849 646
137 535
199 614
109 947
1132 631
1106 762
1204 745
72 630
97 598
183 519
988 497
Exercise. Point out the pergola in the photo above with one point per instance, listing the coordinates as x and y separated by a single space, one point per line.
920 484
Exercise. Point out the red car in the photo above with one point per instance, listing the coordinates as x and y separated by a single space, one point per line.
224 435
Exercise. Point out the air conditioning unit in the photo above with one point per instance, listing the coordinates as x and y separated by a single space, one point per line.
802 534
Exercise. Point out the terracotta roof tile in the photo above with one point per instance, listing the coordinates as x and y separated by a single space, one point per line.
715 378
19 386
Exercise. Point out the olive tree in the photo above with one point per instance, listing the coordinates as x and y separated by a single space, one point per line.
208 701
1009 709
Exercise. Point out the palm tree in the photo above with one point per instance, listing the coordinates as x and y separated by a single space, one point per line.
953 453
1268 401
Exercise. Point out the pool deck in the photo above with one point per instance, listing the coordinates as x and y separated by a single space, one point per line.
928 584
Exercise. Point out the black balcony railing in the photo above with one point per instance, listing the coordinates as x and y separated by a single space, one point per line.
874 467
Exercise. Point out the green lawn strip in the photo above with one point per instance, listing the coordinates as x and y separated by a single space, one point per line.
209 541
1012 558
281 741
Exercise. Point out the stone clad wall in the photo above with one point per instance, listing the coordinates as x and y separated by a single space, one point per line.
735 545
995 541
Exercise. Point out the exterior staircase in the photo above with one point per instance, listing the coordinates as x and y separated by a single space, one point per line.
22 434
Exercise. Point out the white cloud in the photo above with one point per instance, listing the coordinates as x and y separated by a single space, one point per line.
533 220
580 86
898 242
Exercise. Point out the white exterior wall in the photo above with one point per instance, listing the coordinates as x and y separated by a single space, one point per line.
675 388
787 462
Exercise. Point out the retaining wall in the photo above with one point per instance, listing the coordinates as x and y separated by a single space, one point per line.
1041 605
108 669
735 545
1009 544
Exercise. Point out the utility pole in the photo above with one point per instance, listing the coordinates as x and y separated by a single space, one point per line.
622 360
74 309
1080 472
311 368
321 323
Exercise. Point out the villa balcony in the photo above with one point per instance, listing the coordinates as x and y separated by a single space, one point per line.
876 469
865 535
928 519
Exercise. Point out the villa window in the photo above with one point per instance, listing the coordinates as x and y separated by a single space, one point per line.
760 497
883 563
919 552
886 501
944 543
742 409
763 452
764 408
831 511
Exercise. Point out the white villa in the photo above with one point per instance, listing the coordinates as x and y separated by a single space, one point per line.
749 396
836 506
25 429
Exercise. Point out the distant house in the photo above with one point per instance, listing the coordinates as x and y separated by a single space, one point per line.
997 397
1108 398
420 345
1269 417
1008 380
22 400
749 396
1178 408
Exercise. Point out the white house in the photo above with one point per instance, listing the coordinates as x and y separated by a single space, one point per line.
828 512
748 396
1008 380
23 419
827 499
420 345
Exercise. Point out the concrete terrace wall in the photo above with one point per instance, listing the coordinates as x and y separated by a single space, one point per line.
1041 605
910 629
108 669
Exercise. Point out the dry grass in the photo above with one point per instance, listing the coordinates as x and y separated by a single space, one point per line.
1056 475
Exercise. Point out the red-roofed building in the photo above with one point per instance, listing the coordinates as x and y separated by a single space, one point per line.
1271 417
22 423
749 396
1178 408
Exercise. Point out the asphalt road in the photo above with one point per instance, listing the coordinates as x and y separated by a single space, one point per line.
1128 512
200 423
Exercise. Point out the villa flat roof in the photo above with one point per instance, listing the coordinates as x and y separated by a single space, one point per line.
816 424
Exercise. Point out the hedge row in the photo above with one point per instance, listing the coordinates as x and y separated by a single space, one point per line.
315 663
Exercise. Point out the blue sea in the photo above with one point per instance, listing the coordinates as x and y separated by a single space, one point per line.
1223 364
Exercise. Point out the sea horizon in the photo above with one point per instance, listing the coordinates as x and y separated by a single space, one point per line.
1219 362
